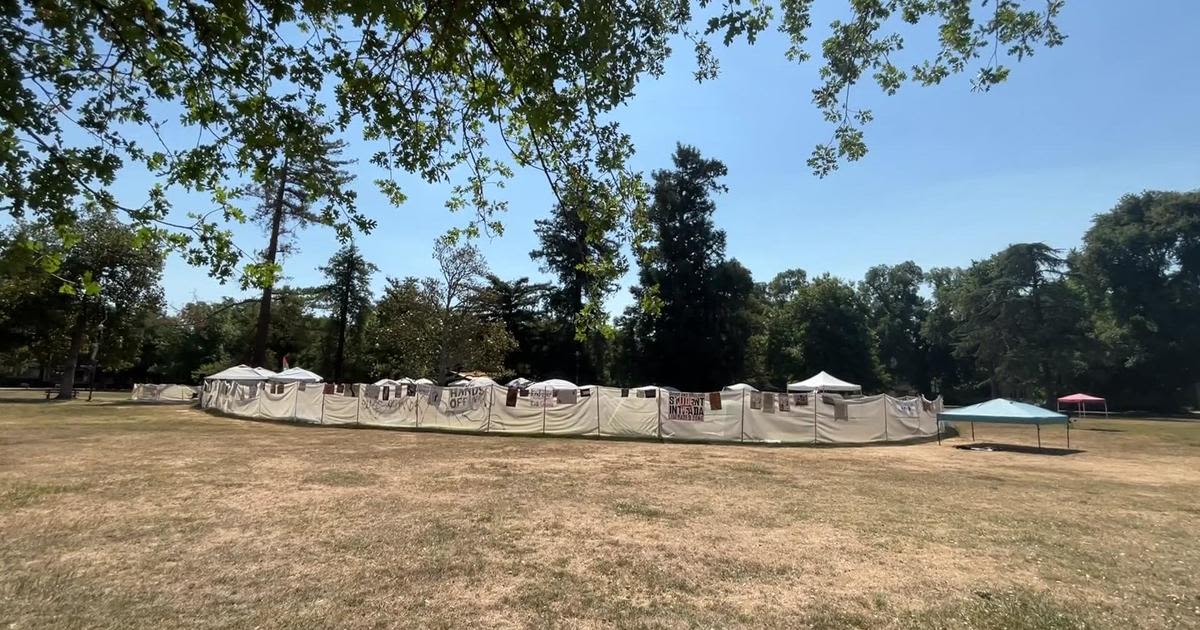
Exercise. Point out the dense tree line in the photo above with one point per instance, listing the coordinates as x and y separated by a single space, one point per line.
1120 315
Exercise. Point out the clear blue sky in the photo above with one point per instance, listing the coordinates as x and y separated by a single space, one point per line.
951 175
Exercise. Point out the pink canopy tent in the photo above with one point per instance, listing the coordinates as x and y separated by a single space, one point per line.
1081 402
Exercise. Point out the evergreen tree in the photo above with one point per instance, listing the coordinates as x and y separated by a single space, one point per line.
587 270
287 204
697 336
348 298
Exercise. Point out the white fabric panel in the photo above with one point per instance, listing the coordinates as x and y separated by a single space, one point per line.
723 425
339 409
903 418
147 392
277 406
528 416
396 411
626 417
793 426
456 408
244 399
308 402
580 418
226 391
862 421
929 412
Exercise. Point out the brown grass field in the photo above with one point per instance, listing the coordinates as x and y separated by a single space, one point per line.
117 515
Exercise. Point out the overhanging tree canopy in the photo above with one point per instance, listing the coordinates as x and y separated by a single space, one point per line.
209 96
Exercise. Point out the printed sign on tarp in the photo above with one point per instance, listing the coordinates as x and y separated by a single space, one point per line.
461 399
685 407
542 397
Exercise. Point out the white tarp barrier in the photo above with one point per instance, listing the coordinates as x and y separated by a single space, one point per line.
243 399
339 409
513 412
715 416
904 419
628 415
277 401
728 416
849 420
456 408
388 406
929 411
309 399
779 418
573 413
146 392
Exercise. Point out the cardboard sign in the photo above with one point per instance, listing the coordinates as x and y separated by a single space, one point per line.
542 398
685 407
460 399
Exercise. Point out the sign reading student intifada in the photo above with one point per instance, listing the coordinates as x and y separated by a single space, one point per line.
685 407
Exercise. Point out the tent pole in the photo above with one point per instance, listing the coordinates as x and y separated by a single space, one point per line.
972 430
885 418
813 394
358 406
1068 433
596 394
487 428
742 425
1039 432
658 412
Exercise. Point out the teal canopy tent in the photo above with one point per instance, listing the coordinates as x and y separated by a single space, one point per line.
1004 411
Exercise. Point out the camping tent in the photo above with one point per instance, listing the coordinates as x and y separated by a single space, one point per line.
394 382
1081 402
553 384
1004 411
240 373
646 391
474 381
823 382
739 387
295 375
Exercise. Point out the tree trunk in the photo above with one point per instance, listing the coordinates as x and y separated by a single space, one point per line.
263 331
339 357
66 389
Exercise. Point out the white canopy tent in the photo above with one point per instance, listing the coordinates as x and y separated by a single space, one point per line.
520 381
423 381
654 388
553 385
823 382
296 375
740 387
240 373
474 381
390 381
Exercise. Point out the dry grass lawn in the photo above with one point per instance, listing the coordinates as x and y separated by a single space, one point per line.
114 515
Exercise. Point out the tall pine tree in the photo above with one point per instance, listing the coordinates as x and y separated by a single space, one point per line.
696 338
347 295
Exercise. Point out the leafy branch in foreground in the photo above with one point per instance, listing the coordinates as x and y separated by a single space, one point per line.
209 97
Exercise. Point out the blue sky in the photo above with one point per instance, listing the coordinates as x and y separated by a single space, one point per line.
951 176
